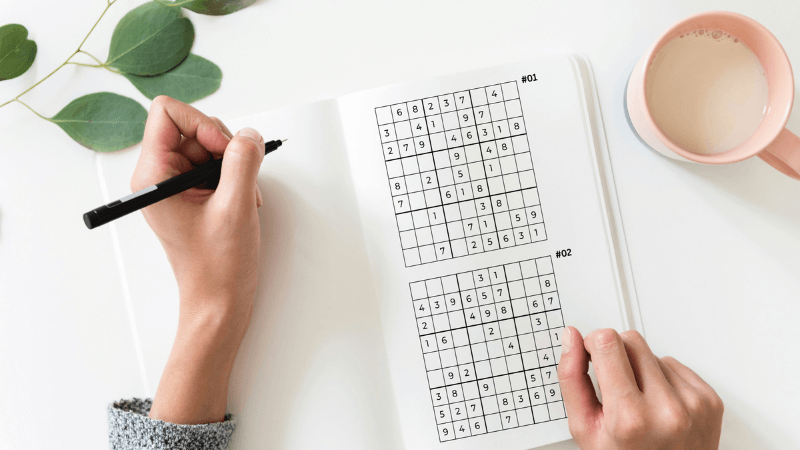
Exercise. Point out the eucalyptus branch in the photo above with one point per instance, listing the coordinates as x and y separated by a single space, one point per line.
91 56
151 48
110 2
99 64
85 65
32 110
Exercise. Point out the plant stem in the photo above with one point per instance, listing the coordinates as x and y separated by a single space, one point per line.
91 56
99 63
85 65
25 105
110 2
40 81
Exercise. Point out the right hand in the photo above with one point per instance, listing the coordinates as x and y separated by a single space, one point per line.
212 240
648 402
211 237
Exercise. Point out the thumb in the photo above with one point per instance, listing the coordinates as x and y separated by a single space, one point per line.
580 400
240 164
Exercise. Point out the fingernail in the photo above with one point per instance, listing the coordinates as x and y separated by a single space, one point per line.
250 134
566 341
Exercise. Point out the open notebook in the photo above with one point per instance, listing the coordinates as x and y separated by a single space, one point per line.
424 245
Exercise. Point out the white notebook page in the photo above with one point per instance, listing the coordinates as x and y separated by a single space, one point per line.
563 191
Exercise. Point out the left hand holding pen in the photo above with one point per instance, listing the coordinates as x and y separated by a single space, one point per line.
212 239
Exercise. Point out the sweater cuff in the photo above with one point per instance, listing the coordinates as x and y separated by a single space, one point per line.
129 428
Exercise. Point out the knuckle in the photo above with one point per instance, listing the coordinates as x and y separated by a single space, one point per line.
629 427
160 101
217 122
707 402
605 339
628 408
716 404
244 148
669 360
675 419
695 404
631 335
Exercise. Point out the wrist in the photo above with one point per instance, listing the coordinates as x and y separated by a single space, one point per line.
194 386
213 325
225 311
205 289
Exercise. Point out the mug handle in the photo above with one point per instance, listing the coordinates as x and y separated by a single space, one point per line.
784 154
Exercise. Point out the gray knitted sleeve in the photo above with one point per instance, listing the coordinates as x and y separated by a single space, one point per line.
129 428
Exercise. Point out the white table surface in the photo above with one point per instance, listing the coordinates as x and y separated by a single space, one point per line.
715 250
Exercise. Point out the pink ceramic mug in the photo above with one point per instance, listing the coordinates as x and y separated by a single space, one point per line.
772 142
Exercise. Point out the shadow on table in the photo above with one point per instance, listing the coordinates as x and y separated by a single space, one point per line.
764 188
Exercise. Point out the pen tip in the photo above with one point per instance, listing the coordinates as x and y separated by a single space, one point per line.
284 140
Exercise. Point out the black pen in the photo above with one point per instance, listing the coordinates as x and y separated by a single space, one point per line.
205 174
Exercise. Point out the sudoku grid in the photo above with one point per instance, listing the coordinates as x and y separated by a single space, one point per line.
460 173
491 343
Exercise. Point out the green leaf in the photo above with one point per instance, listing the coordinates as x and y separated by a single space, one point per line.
17 52
214 7
150 40
103 121
193 79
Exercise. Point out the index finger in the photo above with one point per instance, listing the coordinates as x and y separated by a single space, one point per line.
580 400
167 121
612 367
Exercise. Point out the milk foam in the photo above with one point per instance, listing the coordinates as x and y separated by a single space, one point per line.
707 91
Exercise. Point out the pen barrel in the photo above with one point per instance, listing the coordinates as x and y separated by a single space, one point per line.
206 173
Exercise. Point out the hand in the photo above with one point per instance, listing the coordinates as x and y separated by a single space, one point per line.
211 237
212 240
648 402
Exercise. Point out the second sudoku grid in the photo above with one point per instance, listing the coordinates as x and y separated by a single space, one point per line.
491 342
460 173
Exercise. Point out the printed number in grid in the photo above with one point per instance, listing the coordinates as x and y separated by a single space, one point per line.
460 173
491 343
